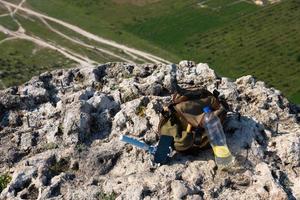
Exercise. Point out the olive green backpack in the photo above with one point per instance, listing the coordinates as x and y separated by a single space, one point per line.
183 117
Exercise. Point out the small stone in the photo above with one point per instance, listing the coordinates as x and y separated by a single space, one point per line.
28 140
186 63
288 149
194 197
179 190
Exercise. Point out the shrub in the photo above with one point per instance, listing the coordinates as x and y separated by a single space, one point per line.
104 196
4 180
50 145
140 111
61 166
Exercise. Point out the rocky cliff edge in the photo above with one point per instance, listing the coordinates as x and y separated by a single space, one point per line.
59 137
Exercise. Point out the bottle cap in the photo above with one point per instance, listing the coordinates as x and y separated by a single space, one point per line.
206 109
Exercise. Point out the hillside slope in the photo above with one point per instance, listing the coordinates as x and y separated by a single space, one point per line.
40 35
236 37
59 137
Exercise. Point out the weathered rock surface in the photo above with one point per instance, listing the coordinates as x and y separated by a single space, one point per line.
59 137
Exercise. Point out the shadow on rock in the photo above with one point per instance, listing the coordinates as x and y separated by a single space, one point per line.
246 139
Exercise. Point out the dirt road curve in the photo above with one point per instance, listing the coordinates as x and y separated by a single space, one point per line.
89 35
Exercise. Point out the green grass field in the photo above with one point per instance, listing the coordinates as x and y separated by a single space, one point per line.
37 28
2 10
264 44
172 29
236 38
103 18
2 36
93 43
165 24
21 59
9 23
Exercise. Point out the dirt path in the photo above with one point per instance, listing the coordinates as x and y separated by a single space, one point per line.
110 53
84 61
19 6
12 14
89 35
20 34
84 44
8 39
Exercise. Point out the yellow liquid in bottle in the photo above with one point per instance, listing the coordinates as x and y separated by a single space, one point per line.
223 156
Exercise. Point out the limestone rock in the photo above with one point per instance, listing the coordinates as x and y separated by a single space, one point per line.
265 186
59 137
28 140
20 180
39 93
179 190
76 124
288 149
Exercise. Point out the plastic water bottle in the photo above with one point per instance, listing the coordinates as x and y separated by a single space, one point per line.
217 139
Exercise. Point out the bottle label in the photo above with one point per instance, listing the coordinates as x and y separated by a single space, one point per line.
221 151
